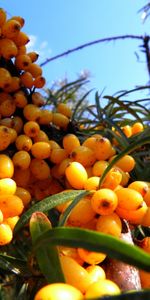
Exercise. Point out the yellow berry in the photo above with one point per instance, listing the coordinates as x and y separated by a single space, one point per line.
76 175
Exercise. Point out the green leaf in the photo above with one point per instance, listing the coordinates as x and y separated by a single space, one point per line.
14 265
98 242
47 256
45 205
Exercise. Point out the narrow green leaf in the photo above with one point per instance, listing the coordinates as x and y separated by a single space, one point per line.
47 255
98 242
45 205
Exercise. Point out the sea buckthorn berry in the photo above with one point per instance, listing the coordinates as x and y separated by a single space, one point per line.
17 124
12 221
146 218
22 50
83 155
54 145
6 234
26 79
39 82
99 167
113 179
33 55
96 273
70 142
137 127
5 137
58 155
41 137
41 150
5 78
126 163
45 117
34 69
102 288
91 257
145 279
21 160
137 216
11 205
8 48
7 108
14 86
31 128
40 168
74 273
18 19
76 175
23 142
76 217
24 195
63 165
20 99
56 290
10 28
110 224
92 183
64 109
102 148
7 186
104 201
8 122
3 17
21 39
127 130
5 96
37 99
125 177
31 112
22 177
1 217
147 197
139 186
6 166
90 142
22 61
60 120
71 252
129 199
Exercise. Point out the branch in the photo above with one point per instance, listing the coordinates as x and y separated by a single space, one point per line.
109 39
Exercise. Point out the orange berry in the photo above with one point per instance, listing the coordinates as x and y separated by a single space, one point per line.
31 112
127 129
96 273
99 167
33 55
14 86
23 142
58 155
70 142
22 49
10 28
12 221
137 216
45 117
41 150
137 127
41 137
6 166
11 205
110 224
20 99
39 82
64 109
103 287
91 257
17 124
147 197
129 199
38 99
5 137
5 78
126 163
104 201
139 186
83 155
22 177
1 217
102 148
24 195
146 218
40 168
22 61
31 128
8 48
5 234
7 108
7 186
34 69
19 19
112 179
92 183
21 39
21 159
76 175
60 120
63 165
26 79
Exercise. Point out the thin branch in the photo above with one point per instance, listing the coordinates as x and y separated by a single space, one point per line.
108 39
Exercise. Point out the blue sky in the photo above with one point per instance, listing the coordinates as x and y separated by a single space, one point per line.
58 25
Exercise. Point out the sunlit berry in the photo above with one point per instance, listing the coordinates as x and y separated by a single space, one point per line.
20 99
39 82
129 199
40 168
23 142
14 86
60 120
34 69
6 166
8 48
41 137
31 128
24 195
18 19
17 124
70 142
110 224
21 39
91 257
5 234
22 62
33 55
27 79
96 273
76 175
7 186
58 155
139 216
83 155
31 112
99 167
21 159
10 28
11 205
38 99
92 183
103 287
41 150
139 186
102 148
126 163
104 201
64 109
137 127
45 117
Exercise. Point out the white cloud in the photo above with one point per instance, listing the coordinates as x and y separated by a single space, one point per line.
41 47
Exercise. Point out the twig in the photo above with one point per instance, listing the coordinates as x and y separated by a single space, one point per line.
108 39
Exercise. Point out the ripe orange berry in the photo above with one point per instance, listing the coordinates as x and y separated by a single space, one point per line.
31 112
5 78
146 218
104 201
58 155
5 234
112 179
147 197
11 205
91 257
5 137
21 49
92 183
145 279
21 39
1 217
137 216
8 48
41 150
110 224
7 186
129 199
27 79
90 141
10 28
19 19
20 99
38 99
76 175
7 108
39 82
22 61
137 127
70 142
139 186
41 137
126 163
40 168
12 221
83 155
21 159
63 165
103 287
17 124
96 273
102 148
3 17
31 128
23 142
22 177
34 69
99 167
45 117
56 290
33 55
64 109
60 120
6 166
24 195
127 129
14 86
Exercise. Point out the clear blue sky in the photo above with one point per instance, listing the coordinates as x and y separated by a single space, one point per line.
59 25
